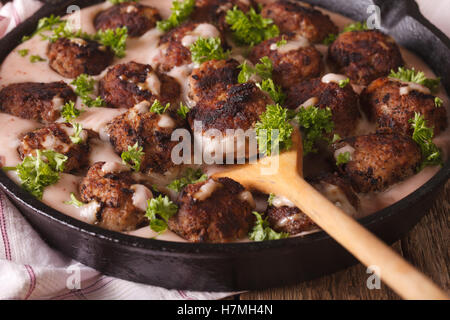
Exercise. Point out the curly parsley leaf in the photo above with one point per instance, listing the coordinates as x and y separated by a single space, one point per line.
423 136
270 199
411 75
36 58
74 201
438 102
158 108
133 157
121 1
314 123
250 28
281 42
78 128
159 211
84 88
357 26
273 130
116 40
46 24
40 171
183 110
344 83
343 158
262 231
190 176
205 49
69 112
330 39
23 52
274 91
181 10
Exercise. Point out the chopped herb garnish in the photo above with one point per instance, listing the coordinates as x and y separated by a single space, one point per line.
69 112
36 58
336 137
190 176
357 26
273 130
205 49
344 83
183 110
343 158
158 108
423 136
84 88
438 102
76 136
411 75
181 10
274 91
46 24
263 232
23 52
74 201
330 39
315 123
270 199
159 211
116 40
133 157
121 1
250 28
40 171
281 42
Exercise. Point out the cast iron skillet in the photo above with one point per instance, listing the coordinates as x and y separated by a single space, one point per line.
239 266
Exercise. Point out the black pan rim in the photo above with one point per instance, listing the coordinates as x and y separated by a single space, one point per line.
197 249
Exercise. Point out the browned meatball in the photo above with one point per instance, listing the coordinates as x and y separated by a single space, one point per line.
125 85
239 108
305 21
150 130
112 187
291 64
215 11
175 52
290 219
212 79
136 17
378 160
391 104
364 55
72 57
343 102
36 101
56 137
213 211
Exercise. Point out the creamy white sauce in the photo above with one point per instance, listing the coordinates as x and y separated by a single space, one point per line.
344 149
336 196
207 190
203 30
140 196
407 87
145 50
166 121
88 212
291 45
247 197
332 77
114 167
308 103
280 201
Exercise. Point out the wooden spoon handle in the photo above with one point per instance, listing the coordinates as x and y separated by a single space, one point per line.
402 277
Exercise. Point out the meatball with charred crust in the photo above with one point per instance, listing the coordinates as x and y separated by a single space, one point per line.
392 103
212 79
283 216
125 85
216 210
364 55
136 17
215 11
378 160
343 102
119 201
149 130
174 45
57 137
36 101
294 17
72 57
292 62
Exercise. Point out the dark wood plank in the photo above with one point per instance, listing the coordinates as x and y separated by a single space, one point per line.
426 247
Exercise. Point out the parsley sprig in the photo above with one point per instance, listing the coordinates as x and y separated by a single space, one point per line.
343 158
158 107
121 1
250 28
159 211
46 24
69 112
262 231
315 123
411 75
183 110
40 171
84 88
190 176
133 157
273 130
423 136
78 128
74 201
356 26
181 10
205 49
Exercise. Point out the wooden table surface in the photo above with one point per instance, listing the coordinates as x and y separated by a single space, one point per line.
426 247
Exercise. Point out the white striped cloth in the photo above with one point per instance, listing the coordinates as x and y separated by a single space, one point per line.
13 13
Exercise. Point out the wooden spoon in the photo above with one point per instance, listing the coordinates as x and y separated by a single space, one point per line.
287 180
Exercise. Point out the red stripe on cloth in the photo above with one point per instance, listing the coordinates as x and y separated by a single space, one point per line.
32 281
184 295
3 229
16 16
